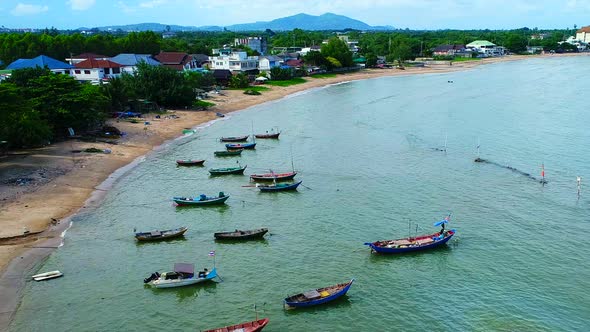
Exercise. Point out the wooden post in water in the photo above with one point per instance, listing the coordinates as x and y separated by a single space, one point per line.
579 181
543 174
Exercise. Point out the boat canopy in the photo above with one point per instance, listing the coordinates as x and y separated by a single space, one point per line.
184 268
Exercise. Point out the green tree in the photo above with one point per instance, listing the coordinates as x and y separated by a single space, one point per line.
239 81
338 50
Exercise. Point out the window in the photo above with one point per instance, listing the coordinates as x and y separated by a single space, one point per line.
77 71
87 72
107 71
67 72
116 70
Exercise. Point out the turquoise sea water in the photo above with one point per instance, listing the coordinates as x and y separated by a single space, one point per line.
365 154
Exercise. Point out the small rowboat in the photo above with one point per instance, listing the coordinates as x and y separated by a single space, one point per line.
422 242
190 162
160 235
234 139
273 135
318 296
253 326
273 176
228 170
241 235
201 200
183 275
228 153
249 146
47 275
278 186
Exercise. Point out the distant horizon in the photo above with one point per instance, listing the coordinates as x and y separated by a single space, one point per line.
403 14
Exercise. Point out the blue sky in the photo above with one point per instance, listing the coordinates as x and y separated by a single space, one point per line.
413 14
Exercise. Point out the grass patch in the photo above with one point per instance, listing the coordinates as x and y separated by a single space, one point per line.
329 75
293 81
202 104
466 59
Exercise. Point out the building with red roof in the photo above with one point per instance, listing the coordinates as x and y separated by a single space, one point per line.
96 70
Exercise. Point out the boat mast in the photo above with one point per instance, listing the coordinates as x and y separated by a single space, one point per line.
446 136
478 148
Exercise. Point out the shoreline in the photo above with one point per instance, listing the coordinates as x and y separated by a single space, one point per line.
94 175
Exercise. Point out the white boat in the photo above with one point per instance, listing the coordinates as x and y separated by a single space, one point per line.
183 275
47 275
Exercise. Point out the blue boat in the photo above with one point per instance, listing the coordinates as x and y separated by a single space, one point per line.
416 243
240 146
318 296
278 186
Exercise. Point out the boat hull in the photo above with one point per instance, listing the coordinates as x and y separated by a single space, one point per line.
190 162
253 326
326 299
173 283
182 201
228 171
234 139
273 177
47 275
272 188
269 136
248 146
249 235
405 249
168 234
227 153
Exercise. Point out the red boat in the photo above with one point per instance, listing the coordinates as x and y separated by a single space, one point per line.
190 162
273 176
253 326
274 135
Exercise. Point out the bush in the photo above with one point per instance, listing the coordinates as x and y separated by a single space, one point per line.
252 92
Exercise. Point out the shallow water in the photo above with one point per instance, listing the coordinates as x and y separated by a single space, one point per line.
364 151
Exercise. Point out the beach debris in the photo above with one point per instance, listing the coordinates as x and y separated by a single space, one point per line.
95 150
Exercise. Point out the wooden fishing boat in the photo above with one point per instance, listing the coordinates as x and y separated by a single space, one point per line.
160 235
318 296
47 275
183 275
228 170
241 235
248 146
422 242
228 153
273 176
267 135
253 326
202 200
234 138
278 186
190 162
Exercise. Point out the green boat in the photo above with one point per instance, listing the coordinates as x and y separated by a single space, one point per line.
227 153
202 200
228 170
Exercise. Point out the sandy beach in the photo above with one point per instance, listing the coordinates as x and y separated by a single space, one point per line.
40 189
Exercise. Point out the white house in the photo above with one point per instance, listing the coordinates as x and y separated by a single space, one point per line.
583 35
486 48
236 62
266 63
96 70
84 56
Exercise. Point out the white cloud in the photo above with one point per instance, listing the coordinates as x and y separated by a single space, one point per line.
23 9
152 3
81 4
125 8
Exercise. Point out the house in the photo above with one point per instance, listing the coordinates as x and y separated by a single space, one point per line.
306 50
130 61
84 56
236 62
257 44
268 62
294 63
200 59
452 50
486 48
583 34
222 76
42 61
96 71
176 60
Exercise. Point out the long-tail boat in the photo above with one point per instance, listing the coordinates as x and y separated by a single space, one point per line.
160 235
267 135
318 296
273 176
190 162
241 235
228 170
248 146
278 186
201 200
234 138
253 326
228 153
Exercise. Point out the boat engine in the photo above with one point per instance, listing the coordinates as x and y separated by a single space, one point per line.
154 276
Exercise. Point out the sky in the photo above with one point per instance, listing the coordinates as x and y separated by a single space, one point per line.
412 14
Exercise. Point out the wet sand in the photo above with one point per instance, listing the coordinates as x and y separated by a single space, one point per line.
41 188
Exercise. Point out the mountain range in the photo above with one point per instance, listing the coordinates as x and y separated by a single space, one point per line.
327 21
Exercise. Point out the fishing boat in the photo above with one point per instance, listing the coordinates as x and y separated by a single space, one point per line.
253 326
414 243
273 176
278 186
228 153
228 170
160 235
318 296
190 162
202 200
183 275
234 138
248 146
241 235
267 135
47 275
